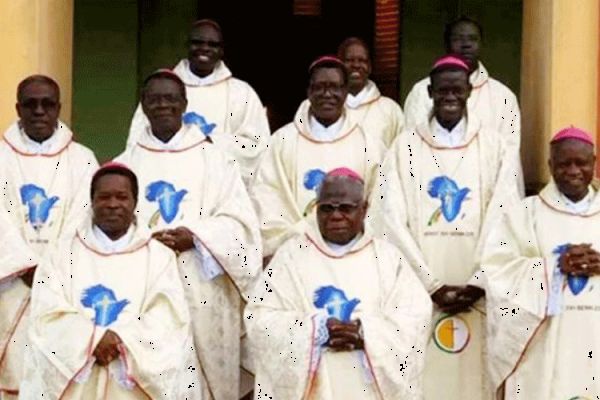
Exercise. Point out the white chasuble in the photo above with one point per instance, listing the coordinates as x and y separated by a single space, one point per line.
291 171
305 284
437 203
379 116
81 291
46 194
194 185
543 324
222 107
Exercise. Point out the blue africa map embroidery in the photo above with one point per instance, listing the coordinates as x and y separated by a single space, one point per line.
38 204
336 303
168 199
313 178
450 195
104 302
191 118
576 283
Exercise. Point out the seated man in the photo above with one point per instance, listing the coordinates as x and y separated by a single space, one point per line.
543 263
45 175
446 183
321 137
340 315
223 107
378 115
109 318
195 202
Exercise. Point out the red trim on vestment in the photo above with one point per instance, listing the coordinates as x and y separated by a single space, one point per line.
171 151
14 148
341 256
310 139
16 274
373 373
546 203
446 147
89 355
123 351
311 373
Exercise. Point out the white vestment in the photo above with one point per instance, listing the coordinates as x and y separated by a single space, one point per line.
194 185
290 173
543 325
437 203
494 104
304 285
45 191
379 116
81 291
223 107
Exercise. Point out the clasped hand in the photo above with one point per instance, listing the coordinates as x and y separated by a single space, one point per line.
580 259
454 299
179 239
344 336
107 349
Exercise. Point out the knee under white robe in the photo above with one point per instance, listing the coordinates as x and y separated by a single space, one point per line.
494 104
284 190
46 194
189 182
379 116
284 322
227 109
543 326
437 204
81 291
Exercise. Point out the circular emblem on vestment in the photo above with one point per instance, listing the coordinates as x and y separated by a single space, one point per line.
451 334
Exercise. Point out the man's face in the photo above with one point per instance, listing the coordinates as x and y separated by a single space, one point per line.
38 107
449 91
572 167
113 204
466 41
164 104
357 61
205 49
327 94
341 209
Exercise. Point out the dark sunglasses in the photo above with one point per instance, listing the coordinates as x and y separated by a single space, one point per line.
344 208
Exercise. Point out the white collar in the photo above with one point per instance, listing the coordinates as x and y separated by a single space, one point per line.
583 205
450 138
356 101
197 80
343 249
36 147
112 246
325 133
171 144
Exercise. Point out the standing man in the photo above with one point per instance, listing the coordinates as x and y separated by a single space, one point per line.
493 103
43 174
109 318
341 314
378 115
447 182
543 262
322 137
223 107
194 201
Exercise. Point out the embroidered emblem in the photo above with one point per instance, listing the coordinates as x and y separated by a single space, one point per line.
313 178
576 283
448 192
335 302
168 199
451 334
104 303
191 118
38 204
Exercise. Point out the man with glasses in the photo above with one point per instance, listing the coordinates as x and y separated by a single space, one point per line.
341 315
223 107
322 137
44 175
446 183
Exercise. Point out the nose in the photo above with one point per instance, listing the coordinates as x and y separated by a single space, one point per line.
573 169
38 109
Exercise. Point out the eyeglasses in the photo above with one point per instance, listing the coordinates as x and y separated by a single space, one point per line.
321 88
33 104
344 208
